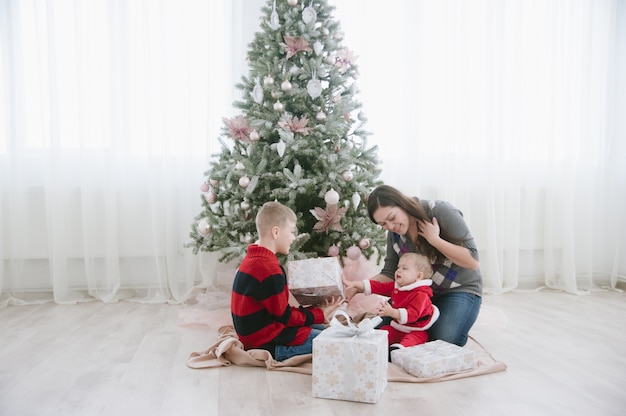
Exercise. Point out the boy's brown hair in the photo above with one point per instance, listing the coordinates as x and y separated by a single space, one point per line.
273 214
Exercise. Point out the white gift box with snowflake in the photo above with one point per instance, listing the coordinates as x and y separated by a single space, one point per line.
313 281
433 358
350 363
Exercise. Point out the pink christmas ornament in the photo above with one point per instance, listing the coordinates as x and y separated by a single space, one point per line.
210 197
333 251
238 128
329 218
204 227
295 124
294 46
353 253
292 3
244 181
364 243
204 187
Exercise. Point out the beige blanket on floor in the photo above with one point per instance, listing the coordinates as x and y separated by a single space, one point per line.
229 350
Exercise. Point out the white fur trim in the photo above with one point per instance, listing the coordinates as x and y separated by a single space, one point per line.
423 282
367 287
404 315
406 329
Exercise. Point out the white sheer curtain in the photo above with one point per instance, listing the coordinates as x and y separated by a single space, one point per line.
514 111
109 112
110 109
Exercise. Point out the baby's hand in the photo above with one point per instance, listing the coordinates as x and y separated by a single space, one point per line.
385 309
351 288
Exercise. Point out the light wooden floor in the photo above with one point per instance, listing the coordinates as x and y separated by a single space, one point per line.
566 355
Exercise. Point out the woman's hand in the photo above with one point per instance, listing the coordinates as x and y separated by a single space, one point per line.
429 230
456 253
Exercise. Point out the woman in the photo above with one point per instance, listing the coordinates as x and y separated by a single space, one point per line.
436 229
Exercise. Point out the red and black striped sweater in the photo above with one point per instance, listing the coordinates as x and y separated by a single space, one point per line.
260 306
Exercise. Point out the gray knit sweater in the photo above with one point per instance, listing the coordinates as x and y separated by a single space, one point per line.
448 277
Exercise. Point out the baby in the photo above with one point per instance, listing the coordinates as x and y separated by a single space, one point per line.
410 307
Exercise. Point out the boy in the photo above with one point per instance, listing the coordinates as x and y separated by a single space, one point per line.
411 309
260 306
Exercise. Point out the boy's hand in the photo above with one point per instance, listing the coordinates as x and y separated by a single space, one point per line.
330 306
351 288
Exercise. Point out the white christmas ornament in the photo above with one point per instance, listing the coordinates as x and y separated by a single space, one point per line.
278 106
203 227
318 47
356 200
239 166
292 2
280 148
268 81
254 136
320 116
245 205
214 182
348 176
244 181
274 21
257 93
331 197
314 88
309 15
286 86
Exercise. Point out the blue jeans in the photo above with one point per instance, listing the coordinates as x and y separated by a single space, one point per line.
459 311
282 352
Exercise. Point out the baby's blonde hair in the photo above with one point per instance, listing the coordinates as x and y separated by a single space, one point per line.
422 263
273 214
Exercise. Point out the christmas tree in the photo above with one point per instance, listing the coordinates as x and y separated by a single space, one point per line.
299 140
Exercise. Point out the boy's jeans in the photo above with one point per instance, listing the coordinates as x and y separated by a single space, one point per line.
282 352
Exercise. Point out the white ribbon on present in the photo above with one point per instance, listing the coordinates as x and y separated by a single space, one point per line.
362 329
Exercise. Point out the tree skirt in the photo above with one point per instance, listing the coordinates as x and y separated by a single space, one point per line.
228 350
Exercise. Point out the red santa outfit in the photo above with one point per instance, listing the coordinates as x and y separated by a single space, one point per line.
417 313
